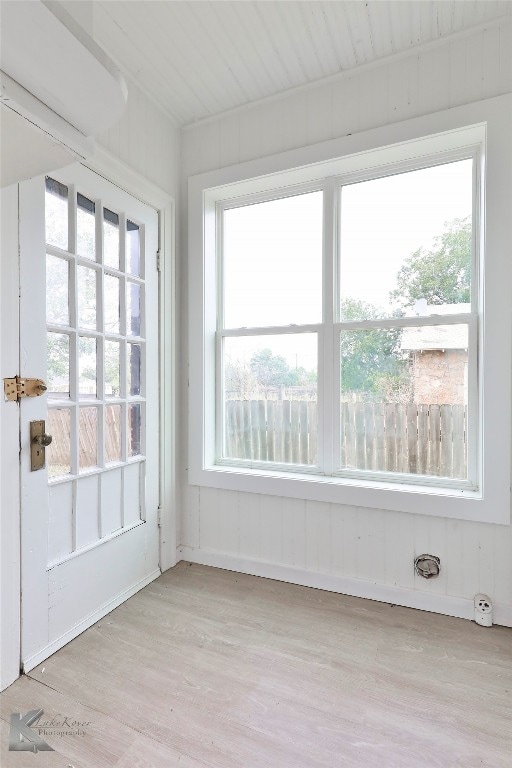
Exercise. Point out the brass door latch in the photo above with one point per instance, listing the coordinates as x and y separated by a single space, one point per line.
39 441
18 387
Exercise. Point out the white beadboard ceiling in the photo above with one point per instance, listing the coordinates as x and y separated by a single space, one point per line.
196 59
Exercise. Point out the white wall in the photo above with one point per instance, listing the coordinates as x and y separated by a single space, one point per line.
144 138
356 550
147 141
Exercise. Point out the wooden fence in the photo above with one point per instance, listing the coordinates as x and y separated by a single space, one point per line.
59 425
395 437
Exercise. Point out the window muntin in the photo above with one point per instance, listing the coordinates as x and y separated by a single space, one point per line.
354 279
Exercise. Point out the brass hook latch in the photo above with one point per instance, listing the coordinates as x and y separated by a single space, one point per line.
18 387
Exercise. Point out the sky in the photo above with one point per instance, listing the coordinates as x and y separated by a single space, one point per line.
273 250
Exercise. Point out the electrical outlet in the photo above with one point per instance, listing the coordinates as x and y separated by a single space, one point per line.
483 610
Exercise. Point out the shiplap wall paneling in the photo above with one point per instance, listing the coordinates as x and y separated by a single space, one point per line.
147 141
351 543
466 69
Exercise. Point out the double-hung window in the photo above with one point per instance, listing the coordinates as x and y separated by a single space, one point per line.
342 329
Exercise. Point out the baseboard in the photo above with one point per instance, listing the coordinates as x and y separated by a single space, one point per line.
447 605
64 639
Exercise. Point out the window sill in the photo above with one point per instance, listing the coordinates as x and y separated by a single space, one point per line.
457 503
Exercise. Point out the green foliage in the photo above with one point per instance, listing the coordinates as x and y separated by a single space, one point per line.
58 358
371 360
440 275
271 370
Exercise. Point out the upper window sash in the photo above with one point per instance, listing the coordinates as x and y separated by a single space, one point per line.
222 209
473 153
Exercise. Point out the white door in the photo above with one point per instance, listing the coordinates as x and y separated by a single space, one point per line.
89 329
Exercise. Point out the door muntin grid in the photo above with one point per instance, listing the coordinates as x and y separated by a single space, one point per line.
96 343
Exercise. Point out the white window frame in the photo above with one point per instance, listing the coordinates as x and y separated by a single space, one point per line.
479 128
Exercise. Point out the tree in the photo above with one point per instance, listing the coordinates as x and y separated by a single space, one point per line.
371 360
440 275
271 370
238 380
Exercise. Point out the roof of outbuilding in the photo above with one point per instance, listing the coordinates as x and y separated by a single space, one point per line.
435 337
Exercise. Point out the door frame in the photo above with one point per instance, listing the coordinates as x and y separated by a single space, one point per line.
109 167
10 542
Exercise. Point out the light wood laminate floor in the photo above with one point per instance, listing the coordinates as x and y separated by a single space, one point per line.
205 668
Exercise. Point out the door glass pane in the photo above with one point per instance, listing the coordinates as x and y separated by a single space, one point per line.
272 262
110 239
56 213
85 227
405 243
134 363
58 453
134 429
133 307
112 433
86 297
88 437
57 290
132 248
87 385
101 306
112 369
57 365
111 304
270 398
404 394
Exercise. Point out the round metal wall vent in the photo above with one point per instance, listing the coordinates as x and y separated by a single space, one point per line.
427 566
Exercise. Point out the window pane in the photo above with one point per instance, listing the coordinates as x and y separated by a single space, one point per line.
111 303
57 365
272 262
404 400
86 298
110 238
132 248
85 227
58 453
133 297
134 429
270 398
406 243
57 290
87 386
112 369
56 213
88 437
112 433
134 361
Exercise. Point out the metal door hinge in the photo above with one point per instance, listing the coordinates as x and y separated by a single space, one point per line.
159 517
158 261
18 387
